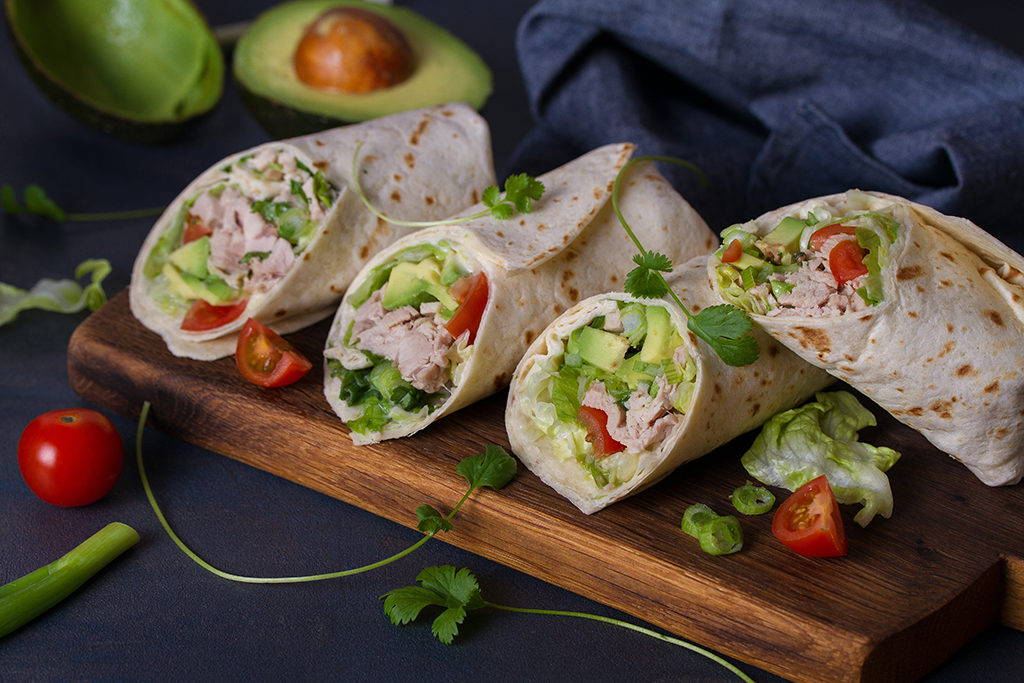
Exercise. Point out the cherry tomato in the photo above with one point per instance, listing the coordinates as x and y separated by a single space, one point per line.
808 522
195 229
732 252
204 316
846 261
596 423
70 457
821 235
265 358
471 305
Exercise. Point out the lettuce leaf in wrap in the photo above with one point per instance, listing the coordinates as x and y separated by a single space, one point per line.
821 437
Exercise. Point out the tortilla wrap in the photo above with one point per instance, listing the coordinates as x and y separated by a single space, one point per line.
942 350
419 165
536 264
725 402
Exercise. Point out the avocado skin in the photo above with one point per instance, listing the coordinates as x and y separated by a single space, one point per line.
280 121
129 130
139 132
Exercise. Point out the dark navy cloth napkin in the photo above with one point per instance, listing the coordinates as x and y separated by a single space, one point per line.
779 101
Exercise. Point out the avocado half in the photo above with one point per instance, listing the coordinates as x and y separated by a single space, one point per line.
444 70
136 69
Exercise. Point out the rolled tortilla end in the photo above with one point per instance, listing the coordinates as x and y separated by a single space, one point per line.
665 406
285 230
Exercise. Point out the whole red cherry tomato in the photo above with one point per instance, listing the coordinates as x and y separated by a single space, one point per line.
70 457
265 358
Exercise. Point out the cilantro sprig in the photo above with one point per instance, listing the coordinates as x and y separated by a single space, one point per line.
35 201
493 468
458 592
725 328
520 192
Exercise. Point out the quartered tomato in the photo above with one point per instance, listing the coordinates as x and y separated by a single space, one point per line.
596 423
821 235
808 522
205 316
195 229
732 252
265 358
846 261
70 457
471 293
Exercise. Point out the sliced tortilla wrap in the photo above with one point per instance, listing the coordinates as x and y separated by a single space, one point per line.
702 404
420 165
941 350
535 266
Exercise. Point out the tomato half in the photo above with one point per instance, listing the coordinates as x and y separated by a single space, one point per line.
265 358
821 235
471 305
70 457
846 261
808 522
595 421
732 252
205 316
195 229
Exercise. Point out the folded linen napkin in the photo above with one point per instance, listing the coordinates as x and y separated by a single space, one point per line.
784 100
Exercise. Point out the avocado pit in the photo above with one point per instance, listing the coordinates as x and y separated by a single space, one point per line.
352 50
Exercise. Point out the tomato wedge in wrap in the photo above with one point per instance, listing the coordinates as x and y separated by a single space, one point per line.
277 232
919 311
440 318
616 393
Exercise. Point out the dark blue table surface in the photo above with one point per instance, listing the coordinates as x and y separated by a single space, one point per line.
155 615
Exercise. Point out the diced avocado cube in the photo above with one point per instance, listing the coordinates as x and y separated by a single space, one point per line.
661 340
787 233
634 370
410 284
212 290
746 261
192 257
604 350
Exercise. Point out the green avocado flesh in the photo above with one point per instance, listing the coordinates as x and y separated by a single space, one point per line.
445 70
137 61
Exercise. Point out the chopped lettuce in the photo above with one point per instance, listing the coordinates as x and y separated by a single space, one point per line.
61 296
821 437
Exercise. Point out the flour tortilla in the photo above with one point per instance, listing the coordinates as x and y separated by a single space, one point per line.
570 246
943 351
726 402
420 165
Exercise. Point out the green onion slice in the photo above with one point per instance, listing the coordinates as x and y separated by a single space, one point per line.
722 536
696 517
752 500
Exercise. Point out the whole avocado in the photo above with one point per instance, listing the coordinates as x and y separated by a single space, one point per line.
440 68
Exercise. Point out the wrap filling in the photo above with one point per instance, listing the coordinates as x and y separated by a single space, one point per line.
414 325
612 390
825 263
237 237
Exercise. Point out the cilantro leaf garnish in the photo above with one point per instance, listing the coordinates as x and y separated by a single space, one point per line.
725 328
493 468
458 592
35 202
520 192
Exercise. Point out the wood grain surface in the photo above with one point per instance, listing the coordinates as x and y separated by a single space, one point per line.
912 590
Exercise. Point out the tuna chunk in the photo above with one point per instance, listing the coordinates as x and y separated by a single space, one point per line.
416 344
646 419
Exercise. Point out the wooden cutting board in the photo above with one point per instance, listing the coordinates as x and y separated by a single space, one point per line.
912 590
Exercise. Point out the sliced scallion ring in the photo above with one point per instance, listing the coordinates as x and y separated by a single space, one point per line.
722 536
752 500
696 517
